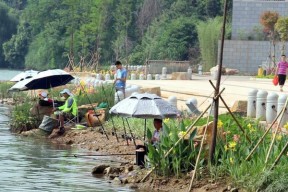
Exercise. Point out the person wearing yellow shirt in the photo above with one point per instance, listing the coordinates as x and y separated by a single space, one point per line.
68 110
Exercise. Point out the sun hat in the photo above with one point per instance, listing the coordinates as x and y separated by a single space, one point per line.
66 91
43 94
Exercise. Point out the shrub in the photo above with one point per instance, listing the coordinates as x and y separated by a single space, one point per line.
183 156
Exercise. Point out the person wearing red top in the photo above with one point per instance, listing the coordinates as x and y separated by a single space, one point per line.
281 71
44 100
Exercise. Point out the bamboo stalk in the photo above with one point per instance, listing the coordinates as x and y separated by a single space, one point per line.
279 156
276 131
233 116
199 153
266 132
183 136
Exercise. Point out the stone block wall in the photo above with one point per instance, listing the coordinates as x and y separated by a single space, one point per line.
246 14
246 56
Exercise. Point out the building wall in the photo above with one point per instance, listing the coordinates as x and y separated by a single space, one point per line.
246 14
246 56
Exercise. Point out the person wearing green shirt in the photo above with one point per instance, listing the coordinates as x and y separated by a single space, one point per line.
68 110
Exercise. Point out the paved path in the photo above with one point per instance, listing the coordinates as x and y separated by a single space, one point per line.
236 88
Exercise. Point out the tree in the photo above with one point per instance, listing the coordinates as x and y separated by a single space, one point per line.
212 8
208 36
282 28
8 26
16 48
124 28
17 4
268 19
148 12
100 31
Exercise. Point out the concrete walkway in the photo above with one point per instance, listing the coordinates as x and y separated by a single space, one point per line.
236 88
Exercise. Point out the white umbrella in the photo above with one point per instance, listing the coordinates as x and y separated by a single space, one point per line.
19 86
145 106
44 80
24 75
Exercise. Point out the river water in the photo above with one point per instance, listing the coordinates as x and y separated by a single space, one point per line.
30 164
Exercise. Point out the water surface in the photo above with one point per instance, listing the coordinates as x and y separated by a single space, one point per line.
29 164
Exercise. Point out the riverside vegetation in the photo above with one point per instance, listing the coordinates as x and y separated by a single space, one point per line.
232 147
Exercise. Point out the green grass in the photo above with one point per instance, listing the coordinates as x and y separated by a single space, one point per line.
231 165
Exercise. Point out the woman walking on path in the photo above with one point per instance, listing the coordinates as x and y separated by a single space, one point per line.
281 71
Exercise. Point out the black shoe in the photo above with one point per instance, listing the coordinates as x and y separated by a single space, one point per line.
61 131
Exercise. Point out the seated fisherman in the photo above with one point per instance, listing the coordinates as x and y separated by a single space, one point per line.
154 141
44 106
44 100
156 135
68 110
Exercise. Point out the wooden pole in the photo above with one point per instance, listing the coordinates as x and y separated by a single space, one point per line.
199 153
233 116
279 156
261 139
216 103
183 136
276 131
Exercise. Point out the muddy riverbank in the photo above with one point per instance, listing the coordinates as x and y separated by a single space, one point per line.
124 171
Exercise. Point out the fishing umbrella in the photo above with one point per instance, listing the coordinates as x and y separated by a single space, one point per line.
19 86
24 75
44 80
145 106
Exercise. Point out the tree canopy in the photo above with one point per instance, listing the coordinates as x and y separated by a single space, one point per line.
46 34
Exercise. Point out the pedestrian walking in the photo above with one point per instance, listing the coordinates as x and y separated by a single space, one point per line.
281 71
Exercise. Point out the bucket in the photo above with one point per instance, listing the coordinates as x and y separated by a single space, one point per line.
141 151
260 70
93 119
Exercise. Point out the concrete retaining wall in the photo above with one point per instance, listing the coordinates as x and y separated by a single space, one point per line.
246 56
246 14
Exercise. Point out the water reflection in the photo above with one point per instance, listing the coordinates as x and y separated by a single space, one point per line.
29 164
7 74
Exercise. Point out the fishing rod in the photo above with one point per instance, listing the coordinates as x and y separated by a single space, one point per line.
101 160
113 125
124 127
125 133
131 132
102 127
100 155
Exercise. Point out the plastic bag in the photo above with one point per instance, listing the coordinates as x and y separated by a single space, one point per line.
48 124
275 80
